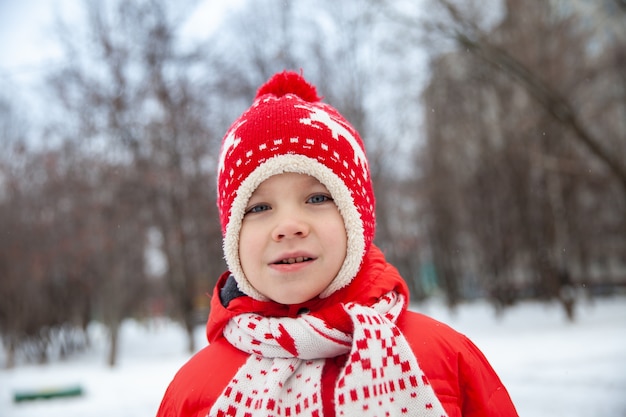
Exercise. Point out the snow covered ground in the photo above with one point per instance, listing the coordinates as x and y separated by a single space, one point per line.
550 367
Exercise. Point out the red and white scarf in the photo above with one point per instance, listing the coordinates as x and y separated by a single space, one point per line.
282 376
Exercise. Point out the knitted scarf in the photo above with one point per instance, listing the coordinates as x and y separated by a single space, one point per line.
282 376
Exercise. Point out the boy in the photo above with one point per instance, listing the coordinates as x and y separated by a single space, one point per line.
310 319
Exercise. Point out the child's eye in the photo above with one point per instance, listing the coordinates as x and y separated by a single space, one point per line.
257 208
319 198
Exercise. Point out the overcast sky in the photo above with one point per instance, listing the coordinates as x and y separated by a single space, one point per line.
25 34
27 40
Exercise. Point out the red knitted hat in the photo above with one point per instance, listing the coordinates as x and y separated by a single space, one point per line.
288 129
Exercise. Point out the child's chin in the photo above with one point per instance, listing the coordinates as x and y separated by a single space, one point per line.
290 299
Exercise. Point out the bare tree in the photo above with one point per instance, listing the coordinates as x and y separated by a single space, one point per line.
557 95
138 96
518 153
43 262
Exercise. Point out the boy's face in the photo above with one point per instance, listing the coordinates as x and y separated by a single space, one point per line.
293 240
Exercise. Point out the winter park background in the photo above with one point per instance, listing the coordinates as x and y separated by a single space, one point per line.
550 367
496 137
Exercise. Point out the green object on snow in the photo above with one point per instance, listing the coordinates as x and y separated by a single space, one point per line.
47 393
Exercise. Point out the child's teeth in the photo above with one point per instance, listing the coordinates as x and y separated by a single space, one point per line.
294 260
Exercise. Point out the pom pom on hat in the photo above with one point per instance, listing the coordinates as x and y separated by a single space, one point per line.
288 129
288 82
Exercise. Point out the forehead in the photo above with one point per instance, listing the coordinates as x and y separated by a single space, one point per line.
287 179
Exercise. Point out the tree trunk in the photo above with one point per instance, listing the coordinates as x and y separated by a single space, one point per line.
114 332
191 341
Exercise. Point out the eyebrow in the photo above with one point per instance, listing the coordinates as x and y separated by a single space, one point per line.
312 181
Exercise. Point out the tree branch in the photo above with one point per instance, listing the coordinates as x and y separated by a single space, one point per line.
553 102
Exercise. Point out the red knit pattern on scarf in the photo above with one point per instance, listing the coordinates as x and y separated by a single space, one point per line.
283 375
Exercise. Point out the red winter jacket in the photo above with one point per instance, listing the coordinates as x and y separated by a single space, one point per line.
459 373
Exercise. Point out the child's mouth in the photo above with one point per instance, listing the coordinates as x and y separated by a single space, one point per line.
296 260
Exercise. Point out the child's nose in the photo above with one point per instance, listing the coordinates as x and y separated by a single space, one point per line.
290 227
